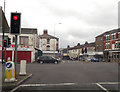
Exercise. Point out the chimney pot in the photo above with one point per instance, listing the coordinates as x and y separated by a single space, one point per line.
68 46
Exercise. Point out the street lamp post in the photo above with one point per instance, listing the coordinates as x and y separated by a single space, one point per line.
54 38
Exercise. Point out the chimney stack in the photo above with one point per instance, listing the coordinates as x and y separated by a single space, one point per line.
68 46
45 32
78 44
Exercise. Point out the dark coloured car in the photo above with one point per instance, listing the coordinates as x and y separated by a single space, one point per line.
47 59
94 60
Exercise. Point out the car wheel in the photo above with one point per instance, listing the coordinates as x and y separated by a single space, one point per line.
56 62
41 62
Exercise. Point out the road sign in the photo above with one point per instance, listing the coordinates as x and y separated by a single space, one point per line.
9 65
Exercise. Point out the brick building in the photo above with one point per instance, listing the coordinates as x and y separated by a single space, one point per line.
112 45
99 46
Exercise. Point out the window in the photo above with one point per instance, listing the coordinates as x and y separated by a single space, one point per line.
107 46
119 35
107 37
113 46
48 41
24 40
114 35
116 44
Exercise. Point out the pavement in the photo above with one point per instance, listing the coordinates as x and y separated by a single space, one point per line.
6 86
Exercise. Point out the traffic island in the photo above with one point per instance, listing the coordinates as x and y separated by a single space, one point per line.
6 86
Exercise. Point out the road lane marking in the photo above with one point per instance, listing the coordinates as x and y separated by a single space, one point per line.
109 83
38 85
29 85
102 87
15 88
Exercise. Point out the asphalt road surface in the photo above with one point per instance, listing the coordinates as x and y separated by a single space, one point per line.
72 75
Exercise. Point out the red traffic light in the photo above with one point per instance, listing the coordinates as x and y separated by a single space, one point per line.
4 40
15 17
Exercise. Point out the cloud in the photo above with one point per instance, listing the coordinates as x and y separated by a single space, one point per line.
82 20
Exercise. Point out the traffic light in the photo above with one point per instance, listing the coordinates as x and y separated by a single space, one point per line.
9 41
85 49
15 23
5 43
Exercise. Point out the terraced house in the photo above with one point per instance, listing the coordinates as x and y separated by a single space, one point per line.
79 51
112 45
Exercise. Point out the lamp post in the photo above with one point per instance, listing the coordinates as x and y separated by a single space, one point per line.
54 38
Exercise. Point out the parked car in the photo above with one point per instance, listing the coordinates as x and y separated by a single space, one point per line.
94 59
47 59
72 59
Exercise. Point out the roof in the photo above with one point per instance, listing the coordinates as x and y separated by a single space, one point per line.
28 30
48 36
92 44
3 22
109 32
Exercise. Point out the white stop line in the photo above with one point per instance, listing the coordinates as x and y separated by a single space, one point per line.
99 84
41 85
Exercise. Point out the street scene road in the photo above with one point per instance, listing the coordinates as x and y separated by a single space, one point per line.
71 75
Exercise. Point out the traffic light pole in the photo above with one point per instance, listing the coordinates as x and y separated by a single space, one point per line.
15 53
3 46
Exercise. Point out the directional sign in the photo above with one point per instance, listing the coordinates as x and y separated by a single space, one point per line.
9 65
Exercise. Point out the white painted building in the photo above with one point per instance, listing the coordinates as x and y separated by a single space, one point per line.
48 43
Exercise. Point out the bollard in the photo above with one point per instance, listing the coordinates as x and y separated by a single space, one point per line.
10 72
22 67
86 61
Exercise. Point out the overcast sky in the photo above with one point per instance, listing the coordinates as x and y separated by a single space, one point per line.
82 20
